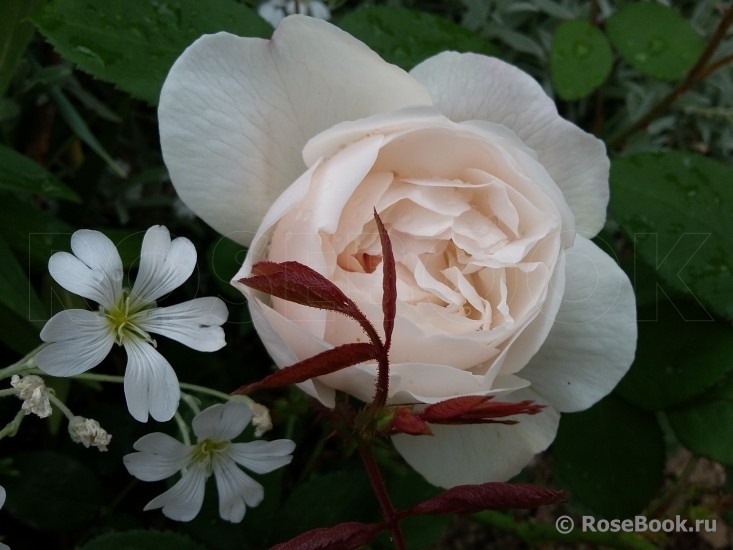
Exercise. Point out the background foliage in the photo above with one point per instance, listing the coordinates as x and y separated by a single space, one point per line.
79 80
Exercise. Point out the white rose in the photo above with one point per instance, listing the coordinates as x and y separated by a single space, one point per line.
489 198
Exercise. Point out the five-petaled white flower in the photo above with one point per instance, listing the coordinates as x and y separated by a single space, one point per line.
160 456
81 339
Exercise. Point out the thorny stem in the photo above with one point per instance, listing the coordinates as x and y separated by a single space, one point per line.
380 490
697 74
380 396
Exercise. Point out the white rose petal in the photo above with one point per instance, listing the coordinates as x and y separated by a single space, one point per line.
488 196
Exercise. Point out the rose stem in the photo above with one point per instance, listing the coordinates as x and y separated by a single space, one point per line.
380 490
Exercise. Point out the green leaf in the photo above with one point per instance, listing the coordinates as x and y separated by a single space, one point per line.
655 40
610 457
704 425
695 355
33 233
75 121
19 173
15 35
18 335
406 37
326 500
53 492
581 59
675 207
133 43
16 292
140 539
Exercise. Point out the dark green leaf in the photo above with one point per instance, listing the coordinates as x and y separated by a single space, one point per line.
407 37
704 425
16 292
327 500
655 39
675 207
53 492
581 59
694 355
224 258
133 43
15 34
141 540
610 457
19 335
33 233
19 173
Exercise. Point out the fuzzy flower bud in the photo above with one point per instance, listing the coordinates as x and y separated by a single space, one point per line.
89 433
32 390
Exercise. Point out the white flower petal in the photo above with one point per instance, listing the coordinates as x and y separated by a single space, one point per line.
196 323
222 422
272 11
591 345
94 272
151 384
183 501
475 87
2 496
479 453
164 265
236 490
236 112
262 457
79 340
160 457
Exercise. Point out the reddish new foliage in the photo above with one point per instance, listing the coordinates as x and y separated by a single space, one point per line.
389 282
405 422
343 536
325 362
476 409
295 282
467 499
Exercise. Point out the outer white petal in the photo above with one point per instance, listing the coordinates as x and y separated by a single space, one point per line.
151 385
479 453
94 271
262 457
80 340
2 496
160 457
235 113
470 86
183 501
222 422
164 264
591 345
196 323
236 490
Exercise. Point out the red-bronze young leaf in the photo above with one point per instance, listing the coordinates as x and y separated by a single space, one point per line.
407 423
295 282
476 409
325 362
344 536
466 499
389 282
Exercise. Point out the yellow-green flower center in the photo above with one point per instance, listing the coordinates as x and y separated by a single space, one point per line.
205 451
121 320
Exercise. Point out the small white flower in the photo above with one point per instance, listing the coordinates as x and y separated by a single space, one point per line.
88 432
274 11
261 418
32 390
161 456
81 339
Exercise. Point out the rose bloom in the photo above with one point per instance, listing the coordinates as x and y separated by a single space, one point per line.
489 198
